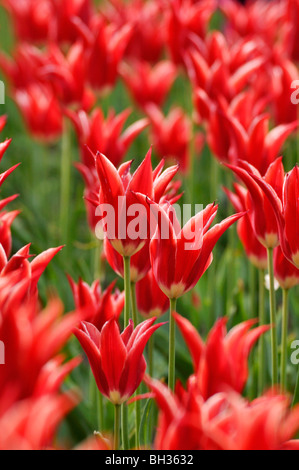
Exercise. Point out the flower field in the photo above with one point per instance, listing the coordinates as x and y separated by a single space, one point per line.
149 225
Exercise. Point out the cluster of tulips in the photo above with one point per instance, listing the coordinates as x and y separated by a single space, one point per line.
69 56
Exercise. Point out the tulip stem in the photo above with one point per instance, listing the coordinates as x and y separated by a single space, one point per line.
284 336
273 318
65 183
137 402
116 426
261 350
127 284
171 370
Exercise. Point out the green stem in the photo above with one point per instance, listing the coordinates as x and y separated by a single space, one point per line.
97 260
137 403
252 310
151 373
127 283
214 179
273 318
96 401
284 336
65 185
116 426
171 365
252 287
262 319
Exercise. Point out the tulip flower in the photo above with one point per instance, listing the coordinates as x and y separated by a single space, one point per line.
148 84
187 251
105 134
255 251
64 15
32 424
291 34
284 205
285 272
116 359
171 135
97 133
257 145
288 223
106 45
117 189
222 363
67 75
100 306
266 423
35 20
254 19
261 214
148 36
226 421
139 264
151 301
30 18
280 83
41 111
282 199
184 19
264 223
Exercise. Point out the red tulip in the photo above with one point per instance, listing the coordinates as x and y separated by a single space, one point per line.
226 421
185 19
285 272
117 188
106 45
222 70
267 423
171 135
257 145
99 306
32 424
25 65
139 265
222 363
254 19
67 75
282 76
36 20
116 359
30 18
179 257
151 301
255 251
97 133
64 15
148 35
291 30
41 111
261 213
105 135
148 84
284 206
